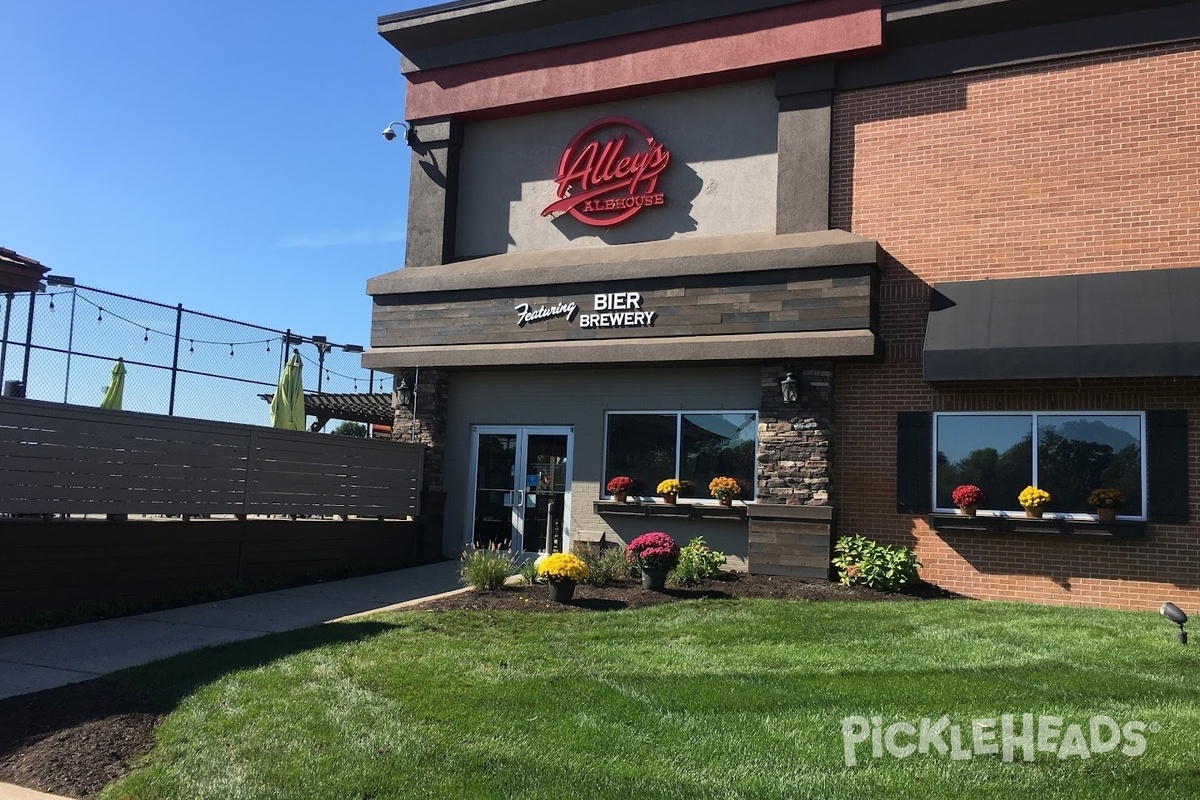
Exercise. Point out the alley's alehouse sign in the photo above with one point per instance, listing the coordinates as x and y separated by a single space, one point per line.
609 172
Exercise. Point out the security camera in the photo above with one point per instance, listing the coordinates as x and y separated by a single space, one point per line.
389 132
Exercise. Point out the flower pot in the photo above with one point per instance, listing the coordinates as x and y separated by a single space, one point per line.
562 591
725 501
653 578
670 499
1106 514
1035 512
619 497
968 511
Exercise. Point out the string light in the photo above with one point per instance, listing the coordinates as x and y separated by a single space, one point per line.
146 338
51 302
191 346
100 316
231 349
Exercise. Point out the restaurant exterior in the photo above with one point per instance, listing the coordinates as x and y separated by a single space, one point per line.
851 254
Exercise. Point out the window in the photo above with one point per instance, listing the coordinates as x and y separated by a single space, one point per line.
1067 454
694 447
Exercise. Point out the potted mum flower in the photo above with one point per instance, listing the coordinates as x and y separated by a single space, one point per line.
724 489
669 489
1033 500
562 571
1106 501
968 497
655 554
619 487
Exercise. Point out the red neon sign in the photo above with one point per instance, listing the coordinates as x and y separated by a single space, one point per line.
599 182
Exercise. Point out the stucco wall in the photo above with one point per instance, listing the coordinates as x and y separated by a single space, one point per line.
580 398
721 179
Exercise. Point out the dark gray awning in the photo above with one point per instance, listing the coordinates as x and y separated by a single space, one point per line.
1106 325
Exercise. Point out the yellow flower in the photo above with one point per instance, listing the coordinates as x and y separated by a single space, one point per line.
563 567
669 486
1033 497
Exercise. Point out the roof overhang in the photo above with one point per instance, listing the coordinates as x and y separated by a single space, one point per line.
1108 325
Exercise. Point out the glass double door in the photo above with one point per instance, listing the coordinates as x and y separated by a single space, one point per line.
520 487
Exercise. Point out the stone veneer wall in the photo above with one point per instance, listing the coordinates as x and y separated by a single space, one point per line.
791 524
795 441
431 392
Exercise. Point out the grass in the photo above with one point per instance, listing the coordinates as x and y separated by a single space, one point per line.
728 699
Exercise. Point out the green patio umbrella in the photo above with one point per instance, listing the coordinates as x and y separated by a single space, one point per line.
287 406
114 393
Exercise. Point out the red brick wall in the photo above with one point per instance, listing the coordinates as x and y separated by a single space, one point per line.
1090 164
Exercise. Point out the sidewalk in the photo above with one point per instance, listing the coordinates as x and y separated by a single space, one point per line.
43 660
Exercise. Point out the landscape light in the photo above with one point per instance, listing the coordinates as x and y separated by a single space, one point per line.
1175 614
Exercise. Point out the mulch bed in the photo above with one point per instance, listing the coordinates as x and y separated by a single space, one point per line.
76 739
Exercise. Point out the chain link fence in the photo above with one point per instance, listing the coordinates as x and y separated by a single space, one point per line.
61 345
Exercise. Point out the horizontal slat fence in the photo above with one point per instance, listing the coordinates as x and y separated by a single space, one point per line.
65 459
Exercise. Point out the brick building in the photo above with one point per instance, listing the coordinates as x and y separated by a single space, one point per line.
967 231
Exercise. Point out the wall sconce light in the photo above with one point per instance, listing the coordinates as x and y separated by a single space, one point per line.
790 388
403 391
1175 614
410 136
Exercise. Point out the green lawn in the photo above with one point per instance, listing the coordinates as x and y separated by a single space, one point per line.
716 699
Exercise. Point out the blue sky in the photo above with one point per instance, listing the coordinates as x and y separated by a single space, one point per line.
224 155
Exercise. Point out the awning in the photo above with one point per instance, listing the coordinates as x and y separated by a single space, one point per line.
1106 325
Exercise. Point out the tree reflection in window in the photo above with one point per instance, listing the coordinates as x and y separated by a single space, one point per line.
695 448
1075 453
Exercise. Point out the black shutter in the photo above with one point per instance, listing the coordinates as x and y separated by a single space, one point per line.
914 462
1167 467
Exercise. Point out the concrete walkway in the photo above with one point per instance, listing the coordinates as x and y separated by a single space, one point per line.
34 661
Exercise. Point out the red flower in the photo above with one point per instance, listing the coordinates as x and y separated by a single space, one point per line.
656 550
968 495
621 483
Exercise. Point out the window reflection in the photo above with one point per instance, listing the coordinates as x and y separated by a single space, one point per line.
1077 454
1072 455
994 453
647 448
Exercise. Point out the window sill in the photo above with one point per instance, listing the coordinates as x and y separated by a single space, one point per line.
1046 526
678 511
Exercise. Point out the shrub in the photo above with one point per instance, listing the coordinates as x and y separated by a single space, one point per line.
563 567
868 563
486 570
654 550
605 566
529 572
697 561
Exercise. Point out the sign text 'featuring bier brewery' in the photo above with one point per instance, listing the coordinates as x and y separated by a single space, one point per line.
616 310
609 172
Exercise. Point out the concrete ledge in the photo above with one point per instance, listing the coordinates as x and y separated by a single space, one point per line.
632 351
695 255
774 511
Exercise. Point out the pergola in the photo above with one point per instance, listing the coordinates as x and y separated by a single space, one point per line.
370 409
19 273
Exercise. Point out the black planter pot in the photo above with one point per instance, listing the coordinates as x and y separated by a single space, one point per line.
562 591
654 579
